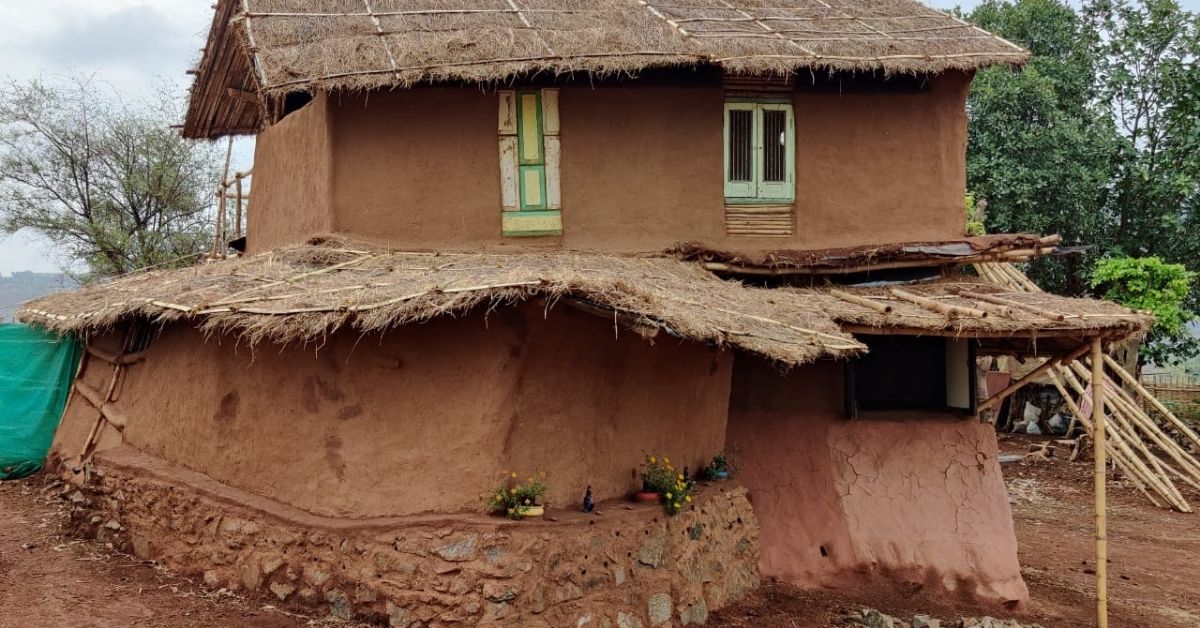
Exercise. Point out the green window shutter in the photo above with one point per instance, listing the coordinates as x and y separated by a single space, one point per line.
529 163
760 152
740 153
776 176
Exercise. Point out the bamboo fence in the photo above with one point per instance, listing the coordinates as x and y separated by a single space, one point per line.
1153 454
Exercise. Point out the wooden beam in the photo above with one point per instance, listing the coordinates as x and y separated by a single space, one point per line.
882 308
114 359
991 298
943 308
242 95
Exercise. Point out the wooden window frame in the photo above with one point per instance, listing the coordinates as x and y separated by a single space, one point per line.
758 190
529 163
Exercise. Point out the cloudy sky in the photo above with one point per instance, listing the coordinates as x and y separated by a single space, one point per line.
131 44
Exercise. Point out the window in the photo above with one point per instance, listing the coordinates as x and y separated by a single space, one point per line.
529 163
911 373
760 153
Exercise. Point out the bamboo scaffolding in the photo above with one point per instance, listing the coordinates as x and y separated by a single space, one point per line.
1143 448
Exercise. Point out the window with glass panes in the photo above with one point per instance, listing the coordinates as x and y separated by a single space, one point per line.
760 154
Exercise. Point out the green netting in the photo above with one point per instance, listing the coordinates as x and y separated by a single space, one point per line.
36 369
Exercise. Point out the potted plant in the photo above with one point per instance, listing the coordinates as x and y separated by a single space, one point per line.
662 483
718 469
518 500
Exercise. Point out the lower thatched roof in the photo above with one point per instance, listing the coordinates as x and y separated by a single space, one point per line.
304 292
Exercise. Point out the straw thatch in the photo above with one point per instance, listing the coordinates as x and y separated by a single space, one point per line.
874 257
278 46
965 306
302 293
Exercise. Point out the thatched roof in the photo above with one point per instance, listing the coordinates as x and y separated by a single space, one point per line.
304 292
273 47
966 306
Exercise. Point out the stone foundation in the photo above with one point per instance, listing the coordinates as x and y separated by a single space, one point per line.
629 566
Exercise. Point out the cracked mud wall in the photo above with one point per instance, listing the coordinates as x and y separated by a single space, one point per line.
912 499
422 419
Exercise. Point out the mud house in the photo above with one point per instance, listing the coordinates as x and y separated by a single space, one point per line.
523 234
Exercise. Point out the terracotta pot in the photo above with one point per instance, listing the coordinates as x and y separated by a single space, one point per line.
649 497
531 511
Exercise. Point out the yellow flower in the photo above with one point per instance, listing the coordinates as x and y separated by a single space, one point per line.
668 496
511 510
688 498
666 460
652 459
514 474
512 491
679 477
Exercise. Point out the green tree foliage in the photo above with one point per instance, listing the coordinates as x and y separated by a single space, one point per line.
1149 284
115 187
1097 139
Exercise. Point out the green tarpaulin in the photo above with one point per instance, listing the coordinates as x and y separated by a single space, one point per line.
36 369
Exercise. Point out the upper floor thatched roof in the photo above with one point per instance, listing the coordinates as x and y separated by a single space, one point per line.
259 50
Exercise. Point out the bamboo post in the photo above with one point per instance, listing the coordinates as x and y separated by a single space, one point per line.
1098 449
237 216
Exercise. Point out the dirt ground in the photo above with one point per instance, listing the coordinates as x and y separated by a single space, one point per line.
47 579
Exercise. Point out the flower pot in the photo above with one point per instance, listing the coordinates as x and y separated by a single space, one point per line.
649 497
531 511
723 474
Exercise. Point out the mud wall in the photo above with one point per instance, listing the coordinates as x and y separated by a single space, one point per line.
629 567
912 498
290 195
642 168
424 418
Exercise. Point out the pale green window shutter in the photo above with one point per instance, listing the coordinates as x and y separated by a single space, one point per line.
740 153
760 152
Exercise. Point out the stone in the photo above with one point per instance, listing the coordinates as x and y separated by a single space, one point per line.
696 613
619 575
339 604
499 591
584 620
568 591
141 546
629 620
211 579
399 617
270 564
112 524
459 550
537 600
925 621
282 590
315 576
653 550
872 618
308 595
251 575
659 609
497 610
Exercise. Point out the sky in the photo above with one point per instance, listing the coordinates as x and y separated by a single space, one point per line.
131 44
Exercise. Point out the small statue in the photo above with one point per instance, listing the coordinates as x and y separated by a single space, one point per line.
589 504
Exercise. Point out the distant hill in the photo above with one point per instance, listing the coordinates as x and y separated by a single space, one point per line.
24 285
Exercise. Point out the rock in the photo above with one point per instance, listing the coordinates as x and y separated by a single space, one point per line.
925 621
619 575
459 550
628 620
315 576
251 575
270 564
497 611
399 617
584 620
695 614
653 550
339 604
498 591
112 524
567 592
871 618
211 579
282 590
659 609
308 595
141 546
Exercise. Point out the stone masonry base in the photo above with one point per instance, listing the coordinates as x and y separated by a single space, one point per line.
629 566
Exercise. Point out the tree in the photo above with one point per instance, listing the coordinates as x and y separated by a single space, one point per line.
115 187
1039 149
1149 284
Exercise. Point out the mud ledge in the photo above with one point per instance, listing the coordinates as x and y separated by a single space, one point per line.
629 566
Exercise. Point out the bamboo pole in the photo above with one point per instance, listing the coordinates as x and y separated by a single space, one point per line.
950 311
1030 376
882 308
1154 402
1099 427
237 216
